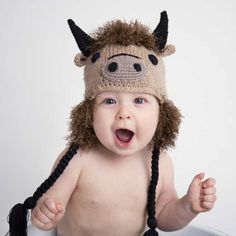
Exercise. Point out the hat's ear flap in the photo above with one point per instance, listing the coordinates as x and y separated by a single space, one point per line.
168 50
80 60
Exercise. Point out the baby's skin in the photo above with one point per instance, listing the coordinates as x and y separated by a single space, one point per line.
103 191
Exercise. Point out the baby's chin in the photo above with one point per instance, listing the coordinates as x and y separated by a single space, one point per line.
123 152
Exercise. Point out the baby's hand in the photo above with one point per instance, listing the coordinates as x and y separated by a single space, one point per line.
201 194
47 214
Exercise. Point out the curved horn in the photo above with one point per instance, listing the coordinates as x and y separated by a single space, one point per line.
82 39
161 31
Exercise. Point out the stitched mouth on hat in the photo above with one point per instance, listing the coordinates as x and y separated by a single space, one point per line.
124 135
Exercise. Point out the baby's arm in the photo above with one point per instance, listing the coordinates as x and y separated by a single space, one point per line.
174 213
51 206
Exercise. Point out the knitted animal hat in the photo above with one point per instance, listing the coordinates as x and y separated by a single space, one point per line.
124 57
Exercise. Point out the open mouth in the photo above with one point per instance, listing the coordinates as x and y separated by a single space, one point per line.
124 135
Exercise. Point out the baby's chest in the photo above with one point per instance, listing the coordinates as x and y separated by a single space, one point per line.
112 188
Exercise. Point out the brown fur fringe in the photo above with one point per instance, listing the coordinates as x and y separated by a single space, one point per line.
81 125
122 33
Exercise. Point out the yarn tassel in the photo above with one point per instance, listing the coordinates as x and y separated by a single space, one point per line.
151 232
19 214
152 224
18 217
151 221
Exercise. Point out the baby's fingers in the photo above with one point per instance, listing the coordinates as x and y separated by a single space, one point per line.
36 220
207 205
47 212
209 190
60 208
54 210
50 205
40 216
60 213
208 198
208 182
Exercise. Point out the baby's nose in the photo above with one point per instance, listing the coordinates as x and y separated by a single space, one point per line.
123 117
123 114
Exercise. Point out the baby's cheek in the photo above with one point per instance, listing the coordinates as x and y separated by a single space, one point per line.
147 130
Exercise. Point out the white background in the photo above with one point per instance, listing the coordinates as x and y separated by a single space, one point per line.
39 85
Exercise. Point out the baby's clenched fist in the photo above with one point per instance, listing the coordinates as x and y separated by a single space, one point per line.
47 214
201 195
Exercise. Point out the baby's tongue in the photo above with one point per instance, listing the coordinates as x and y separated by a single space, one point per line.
124 135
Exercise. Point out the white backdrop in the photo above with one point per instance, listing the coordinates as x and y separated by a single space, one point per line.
39 84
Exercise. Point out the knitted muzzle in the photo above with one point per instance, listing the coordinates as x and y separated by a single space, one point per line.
128 69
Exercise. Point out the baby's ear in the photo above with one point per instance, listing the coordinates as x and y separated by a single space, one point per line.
168 50
80 60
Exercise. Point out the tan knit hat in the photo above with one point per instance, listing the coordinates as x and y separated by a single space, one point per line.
129 65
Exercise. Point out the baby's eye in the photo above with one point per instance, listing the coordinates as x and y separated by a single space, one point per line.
139 100
109 101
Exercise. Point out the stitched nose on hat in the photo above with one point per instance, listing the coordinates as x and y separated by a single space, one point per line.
124 135
124 68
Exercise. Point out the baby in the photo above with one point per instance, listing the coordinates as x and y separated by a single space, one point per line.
117 145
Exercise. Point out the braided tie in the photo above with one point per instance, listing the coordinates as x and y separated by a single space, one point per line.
151 221
19 214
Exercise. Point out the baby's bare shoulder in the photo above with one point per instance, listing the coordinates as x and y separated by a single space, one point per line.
166 170
165 160
74 164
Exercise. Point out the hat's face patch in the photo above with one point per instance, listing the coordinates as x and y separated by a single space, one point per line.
123 64
124 67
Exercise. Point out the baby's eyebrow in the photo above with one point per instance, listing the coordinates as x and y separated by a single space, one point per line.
105 95
140 95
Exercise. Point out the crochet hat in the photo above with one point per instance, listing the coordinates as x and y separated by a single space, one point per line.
124 57
120 57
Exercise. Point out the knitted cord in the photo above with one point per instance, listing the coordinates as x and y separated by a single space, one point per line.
151 204
19 214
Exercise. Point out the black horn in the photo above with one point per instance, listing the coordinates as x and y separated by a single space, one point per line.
161 31
82 39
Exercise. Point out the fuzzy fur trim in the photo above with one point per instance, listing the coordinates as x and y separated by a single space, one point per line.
122 33
168 125
81 125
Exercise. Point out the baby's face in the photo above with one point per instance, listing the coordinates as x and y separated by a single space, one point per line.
125 122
